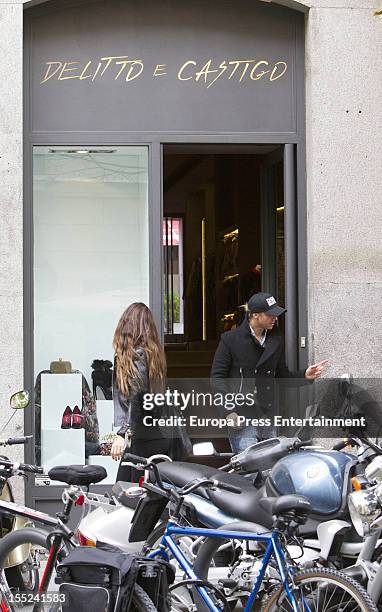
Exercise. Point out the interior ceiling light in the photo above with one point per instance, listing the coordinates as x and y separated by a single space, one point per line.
81 151
378 13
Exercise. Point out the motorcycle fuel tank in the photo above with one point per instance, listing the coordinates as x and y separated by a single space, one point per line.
318 475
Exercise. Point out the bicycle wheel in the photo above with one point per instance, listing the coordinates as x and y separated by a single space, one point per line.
141 602
323 590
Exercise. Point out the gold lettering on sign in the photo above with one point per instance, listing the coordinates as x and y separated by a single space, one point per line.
277 64
259 74
205 73
130 75
159 70
222 68
236 64
83 74
66 68
49 74
181 78
109 59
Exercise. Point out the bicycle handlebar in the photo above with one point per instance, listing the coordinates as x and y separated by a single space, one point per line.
189 487
33 469
135 459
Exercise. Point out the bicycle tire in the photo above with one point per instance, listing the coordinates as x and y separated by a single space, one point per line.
277 600
141 602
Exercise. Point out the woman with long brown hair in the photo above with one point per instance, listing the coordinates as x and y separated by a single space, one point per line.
139 368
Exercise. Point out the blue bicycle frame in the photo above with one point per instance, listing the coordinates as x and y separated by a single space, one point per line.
273 547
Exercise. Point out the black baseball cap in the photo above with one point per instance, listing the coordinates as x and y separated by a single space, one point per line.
265 302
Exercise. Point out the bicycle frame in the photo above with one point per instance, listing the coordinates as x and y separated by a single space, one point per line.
273 548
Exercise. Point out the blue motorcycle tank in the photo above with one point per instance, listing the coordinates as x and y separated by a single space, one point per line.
319 475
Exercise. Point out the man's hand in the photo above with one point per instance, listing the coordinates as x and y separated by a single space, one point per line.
234 418
314 371
117 448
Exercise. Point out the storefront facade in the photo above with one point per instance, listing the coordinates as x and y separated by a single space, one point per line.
124 115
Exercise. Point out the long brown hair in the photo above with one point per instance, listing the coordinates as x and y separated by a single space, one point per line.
136 329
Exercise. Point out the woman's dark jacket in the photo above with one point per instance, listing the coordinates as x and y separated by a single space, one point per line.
242 365
129 411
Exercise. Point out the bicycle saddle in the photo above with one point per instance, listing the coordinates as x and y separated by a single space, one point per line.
82 475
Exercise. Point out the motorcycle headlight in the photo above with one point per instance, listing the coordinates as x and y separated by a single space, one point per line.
364 508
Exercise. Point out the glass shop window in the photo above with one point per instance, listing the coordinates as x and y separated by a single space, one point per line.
91 260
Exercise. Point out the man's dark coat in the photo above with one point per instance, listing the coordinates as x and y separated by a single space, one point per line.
241 364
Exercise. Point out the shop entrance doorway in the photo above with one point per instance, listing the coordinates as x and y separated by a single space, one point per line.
223 240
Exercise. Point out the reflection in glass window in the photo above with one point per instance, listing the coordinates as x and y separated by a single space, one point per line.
173 275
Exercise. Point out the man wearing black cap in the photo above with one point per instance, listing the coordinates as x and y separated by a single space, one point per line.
255 350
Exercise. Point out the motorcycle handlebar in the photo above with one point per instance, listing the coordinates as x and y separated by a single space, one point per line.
301 443
340 445
22 467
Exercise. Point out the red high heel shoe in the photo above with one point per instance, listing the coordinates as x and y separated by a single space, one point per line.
77 418
66 421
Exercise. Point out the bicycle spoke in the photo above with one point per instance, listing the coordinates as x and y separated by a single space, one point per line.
326 594
349 609
331 597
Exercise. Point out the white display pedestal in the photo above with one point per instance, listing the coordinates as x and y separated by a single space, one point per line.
60 446
105 415
110 466
67 446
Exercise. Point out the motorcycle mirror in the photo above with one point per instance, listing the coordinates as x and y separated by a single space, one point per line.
19 400
203 448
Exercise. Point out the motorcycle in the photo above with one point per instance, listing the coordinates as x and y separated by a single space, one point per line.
272 468
20 570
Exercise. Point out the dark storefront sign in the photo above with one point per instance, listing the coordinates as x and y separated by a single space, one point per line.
168 66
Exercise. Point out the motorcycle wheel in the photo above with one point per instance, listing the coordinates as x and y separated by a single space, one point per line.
28 535
326 590
25 577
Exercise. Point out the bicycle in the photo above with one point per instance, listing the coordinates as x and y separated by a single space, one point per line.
58 541
287 589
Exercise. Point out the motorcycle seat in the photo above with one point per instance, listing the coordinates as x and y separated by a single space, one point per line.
280 505
244 506
81 475
180 473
